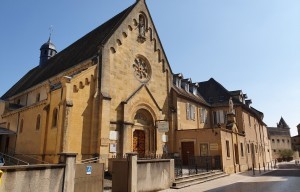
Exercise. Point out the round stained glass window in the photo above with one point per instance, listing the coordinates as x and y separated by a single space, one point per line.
142 70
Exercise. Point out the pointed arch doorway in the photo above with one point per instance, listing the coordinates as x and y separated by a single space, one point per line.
143 134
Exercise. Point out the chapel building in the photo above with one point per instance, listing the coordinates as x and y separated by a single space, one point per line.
108 94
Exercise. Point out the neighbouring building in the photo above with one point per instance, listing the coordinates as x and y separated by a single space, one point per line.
296 140
113 91
204 125
280 138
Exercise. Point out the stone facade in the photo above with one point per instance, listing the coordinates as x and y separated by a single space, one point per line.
109 102
280 138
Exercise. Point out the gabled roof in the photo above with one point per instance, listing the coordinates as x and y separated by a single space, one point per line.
282 124
196 98
212 90
81 50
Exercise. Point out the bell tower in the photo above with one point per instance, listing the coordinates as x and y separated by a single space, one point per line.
48 50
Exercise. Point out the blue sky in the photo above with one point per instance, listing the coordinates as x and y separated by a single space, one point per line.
252 45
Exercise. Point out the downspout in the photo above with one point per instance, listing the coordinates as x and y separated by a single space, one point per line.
18 122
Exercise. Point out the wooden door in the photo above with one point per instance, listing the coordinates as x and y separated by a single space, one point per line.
187 149
236 153
139 142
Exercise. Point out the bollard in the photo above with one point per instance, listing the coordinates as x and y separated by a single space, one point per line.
1 173
259 167
264 167
253 169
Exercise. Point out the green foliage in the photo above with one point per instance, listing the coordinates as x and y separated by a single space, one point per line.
286 153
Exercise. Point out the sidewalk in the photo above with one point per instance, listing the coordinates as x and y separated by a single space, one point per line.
231 179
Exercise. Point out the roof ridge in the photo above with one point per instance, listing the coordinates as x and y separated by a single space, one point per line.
82 49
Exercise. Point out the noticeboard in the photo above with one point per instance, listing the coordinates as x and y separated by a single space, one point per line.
162 126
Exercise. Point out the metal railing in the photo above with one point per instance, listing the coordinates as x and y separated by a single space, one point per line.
91 160
12 160
33 158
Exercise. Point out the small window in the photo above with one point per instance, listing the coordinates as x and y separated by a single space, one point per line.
278 141
242 149
227 149
288 141
54 117
21 126
248 148
249 120
274 150
273 141
282 140
38 122
38 97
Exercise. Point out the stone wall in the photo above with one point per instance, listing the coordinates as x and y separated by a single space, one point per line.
33 178
142 175
154 175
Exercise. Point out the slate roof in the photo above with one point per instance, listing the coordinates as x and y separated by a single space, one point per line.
217 96
212 90
188 95
275 131
83 49
283 124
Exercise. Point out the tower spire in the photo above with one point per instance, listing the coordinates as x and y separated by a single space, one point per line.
48 49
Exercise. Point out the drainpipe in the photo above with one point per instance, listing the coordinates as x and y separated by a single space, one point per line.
17 133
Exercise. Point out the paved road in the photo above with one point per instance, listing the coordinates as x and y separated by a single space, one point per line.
284 179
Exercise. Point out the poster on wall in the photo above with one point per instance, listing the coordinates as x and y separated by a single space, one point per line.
204 149
113 148
213 146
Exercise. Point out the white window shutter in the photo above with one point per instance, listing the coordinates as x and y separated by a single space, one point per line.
187 111
221 116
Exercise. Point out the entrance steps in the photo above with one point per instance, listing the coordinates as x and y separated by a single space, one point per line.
189 180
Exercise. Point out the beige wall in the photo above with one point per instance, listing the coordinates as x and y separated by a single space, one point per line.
33 178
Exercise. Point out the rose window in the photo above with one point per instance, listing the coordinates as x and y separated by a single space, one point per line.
141 70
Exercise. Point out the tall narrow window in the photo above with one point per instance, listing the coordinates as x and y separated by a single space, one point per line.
242 149
21 126
54 117
227 149
203 115
219 117
190 111
249 120
187 111
38 122
248 148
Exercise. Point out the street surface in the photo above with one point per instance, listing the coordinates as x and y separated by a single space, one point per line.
285 179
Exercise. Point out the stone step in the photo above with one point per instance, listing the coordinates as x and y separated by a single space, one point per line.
184 177
196 179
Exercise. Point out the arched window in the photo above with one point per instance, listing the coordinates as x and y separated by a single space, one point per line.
38 122
21 126
54 117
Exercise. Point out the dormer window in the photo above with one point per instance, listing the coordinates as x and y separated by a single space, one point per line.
178 82
186 87
195 90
